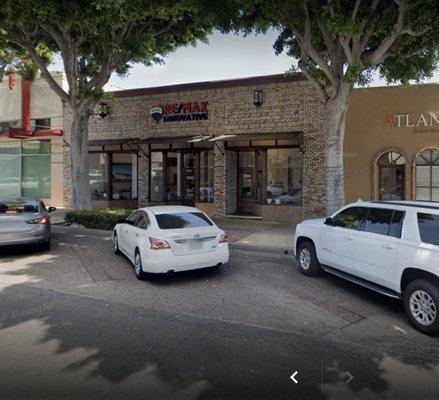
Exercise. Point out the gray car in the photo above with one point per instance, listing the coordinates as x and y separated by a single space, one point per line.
24 221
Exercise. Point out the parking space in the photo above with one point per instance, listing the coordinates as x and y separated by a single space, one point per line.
258 302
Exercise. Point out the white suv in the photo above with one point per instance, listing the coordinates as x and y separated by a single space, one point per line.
390 247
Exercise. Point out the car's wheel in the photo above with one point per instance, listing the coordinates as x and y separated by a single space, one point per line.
421 304
116 244
138 269
307 259
45 246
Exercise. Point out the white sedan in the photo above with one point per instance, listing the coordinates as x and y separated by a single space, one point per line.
167 239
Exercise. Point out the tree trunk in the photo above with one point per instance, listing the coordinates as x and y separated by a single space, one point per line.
334 130
79 159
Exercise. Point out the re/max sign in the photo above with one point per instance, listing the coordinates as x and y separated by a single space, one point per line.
190 111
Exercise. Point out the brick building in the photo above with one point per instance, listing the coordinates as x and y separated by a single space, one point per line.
246 146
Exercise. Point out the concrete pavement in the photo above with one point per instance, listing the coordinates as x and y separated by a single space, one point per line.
75 323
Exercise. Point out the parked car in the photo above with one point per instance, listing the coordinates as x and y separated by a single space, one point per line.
24 221
167 239
387 246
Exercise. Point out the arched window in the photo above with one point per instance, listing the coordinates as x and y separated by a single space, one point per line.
427 175
391 176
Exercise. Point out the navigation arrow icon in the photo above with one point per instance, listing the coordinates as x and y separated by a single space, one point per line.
350 377
293 377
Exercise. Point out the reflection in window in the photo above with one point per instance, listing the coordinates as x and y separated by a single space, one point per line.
206 177
427 175
98 175
156 191
124 176
284 176
350 218
25 169
173 176
391 176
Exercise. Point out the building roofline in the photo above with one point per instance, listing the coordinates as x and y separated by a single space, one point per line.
409 86
220 84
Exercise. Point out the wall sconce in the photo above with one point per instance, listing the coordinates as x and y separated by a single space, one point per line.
257 97
104 109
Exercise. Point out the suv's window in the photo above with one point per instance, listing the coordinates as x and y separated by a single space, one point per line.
396 224
429 228
384 222
143 221
350 218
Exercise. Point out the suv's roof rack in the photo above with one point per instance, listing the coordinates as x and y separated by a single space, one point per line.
408 204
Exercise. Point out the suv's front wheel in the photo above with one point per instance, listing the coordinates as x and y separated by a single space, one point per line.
421 304
307 259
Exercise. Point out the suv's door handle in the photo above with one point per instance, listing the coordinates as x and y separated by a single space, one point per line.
349 237
388 246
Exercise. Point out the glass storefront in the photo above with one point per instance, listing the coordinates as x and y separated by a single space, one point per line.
113 176
427 175
25 169
181 176
284 176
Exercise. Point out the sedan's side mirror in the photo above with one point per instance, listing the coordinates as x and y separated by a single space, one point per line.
51 209
328 221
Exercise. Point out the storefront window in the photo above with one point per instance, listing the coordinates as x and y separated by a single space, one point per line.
25 169
284 176
173 176
156 176
206 176
98 174
124 176
391 169
427 175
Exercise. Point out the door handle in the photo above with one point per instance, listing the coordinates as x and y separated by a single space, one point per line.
388 246
137 235
349 237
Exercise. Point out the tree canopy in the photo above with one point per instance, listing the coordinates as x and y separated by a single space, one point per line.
347 40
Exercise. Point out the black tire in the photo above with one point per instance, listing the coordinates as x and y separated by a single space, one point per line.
45 246
140 275
418 294
307 252
116 245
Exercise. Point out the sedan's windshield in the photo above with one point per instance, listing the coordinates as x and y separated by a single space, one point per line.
18 207
183 220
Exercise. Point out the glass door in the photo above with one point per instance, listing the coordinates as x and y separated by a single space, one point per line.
189 178
392 182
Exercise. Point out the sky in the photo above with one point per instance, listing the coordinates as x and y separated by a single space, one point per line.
225 57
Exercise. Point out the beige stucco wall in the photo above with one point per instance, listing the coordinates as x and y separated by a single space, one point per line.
44 104
368 133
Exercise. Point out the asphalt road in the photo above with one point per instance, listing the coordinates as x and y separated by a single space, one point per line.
76 324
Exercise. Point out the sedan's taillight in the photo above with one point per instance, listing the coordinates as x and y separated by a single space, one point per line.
224 238
158 244
39 221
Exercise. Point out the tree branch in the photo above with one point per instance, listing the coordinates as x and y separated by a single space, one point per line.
321 91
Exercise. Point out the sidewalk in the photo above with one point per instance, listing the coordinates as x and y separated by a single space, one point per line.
258 235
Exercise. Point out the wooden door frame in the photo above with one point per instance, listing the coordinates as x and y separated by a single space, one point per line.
243 170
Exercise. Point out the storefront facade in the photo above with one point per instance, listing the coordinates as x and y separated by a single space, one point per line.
249 147
392 144
31 161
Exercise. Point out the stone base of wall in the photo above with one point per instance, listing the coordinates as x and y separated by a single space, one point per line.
102 204
286 214
207 208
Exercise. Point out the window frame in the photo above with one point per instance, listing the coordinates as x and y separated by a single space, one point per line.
393 210
430 164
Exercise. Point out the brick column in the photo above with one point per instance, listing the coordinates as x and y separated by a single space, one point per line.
225 181
143 175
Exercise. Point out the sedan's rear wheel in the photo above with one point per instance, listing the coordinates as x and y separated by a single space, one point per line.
138 268
421 304
116 244
307 259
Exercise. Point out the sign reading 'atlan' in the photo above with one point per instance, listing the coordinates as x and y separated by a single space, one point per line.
191 111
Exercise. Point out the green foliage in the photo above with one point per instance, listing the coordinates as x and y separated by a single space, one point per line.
343 38
101 219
